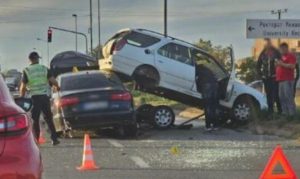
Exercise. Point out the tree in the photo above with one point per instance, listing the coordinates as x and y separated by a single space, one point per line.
97 52
219 52
247 70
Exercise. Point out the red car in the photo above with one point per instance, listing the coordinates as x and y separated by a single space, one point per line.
20 156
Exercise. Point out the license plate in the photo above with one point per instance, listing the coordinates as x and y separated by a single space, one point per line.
95 105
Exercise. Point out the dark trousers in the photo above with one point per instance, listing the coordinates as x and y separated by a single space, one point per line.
272 93
295 86
210 96
41 103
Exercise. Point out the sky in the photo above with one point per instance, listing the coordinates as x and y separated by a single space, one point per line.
221 21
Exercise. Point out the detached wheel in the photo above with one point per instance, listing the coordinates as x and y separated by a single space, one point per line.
163 117
143 113
244 110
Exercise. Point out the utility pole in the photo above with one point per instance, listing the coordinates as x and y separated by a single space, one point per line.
76 39
91 25
165 18
99 30
279 12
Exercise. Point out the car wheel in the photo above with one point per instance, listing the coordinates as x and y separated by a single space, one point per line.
244 110
146 77
163 117
143 113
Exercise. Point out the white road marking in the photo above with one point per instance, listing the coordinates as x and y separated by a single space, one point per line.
139 162
115 143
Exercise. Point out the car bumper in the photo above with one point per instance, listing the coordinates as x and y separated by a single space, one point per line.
21 158
100 120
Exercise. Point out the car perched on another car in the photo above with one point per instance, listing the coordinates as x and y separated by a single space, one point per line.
19 153
166 66
94 100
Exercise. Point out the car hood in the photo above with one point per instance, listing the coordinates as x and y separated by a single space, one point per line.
241 88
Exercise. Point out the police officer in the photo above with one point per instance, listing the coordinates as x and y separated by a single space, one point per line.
36 79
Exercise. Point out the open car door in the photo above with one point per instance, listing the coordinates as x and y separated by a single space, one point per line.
230 84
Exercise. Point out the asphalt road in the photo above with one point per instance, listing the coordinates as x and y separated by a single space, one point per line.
219 155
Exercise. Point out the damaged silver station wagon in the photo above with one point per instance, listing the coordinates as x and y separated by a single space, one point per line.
166 66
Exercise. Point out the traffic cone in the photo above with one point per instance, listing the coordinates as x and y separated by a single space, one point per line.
42 139
88 162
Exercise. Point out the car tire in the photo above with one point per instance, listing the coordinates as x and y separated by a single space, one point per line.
143 113
163 117
244 110
146 77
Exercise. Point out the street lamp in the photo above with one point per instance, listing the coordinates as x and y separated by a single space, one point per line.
166 18
76 42
91 24
40 39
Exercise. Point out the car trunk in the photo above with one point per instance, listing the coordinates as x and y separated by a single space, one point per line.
93 101
109 46
2 144
2 138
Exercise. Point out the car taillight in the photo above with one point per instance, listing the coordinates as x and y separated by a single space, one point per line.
67 102
121 97
14 123
119 45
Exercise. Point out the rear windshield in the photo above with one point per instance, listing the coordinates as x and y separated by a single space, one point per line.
117 36
140 40
89 81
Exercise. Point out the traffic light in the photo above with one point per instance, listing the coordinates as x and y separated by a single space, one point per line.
49 35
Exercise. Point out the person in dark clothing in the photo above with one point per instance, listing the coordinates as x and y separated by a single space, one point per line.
207 85
296 78
296 71
36 79
266 71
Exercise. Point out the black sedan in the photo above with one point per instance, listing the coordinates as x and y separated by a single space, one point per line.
93 100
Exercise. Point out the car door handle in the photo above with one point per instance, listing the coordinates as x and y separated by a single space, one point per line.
160 61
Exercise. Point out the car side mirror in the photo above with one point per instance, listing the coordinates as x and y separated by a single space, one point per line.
148 52
24 103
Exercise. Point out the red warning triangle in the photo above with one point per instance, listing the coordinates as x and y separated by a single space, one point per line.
278 157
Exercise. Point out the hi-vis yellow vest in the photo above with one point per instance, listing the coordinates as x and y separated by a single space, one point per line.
37 79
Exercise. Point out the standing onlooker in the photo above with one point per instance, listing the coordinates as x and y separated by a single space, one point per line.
285 76
297 71
266 71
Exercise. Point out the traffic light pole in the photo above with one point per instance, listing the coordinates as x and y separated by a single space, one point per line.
74 32
91 25
48 54
166 18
